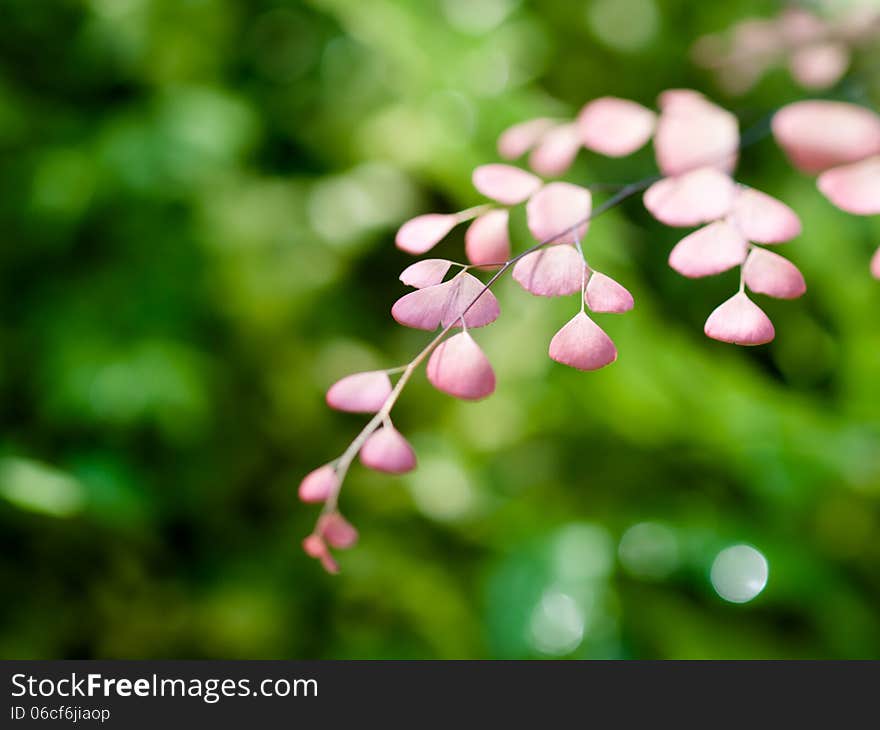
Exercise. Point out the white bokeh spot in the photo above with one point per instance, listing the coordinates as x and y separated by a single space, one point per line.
739 573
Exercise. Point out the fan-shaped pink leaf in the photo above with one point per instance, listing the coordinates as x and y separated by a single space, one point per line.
817 135
765 272
318 484
552 271
486 240
422 233
387 450
762 218
875 264
854 188
696 197
603 294
337 531
459 367
582 344
506 184
693 132
820 65
425 273
360 393
443 304
520 138
615 127
709 250
555 209
555 151
740 321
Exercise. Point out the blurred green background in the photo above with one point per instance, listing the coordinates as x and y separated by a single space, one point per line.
198 206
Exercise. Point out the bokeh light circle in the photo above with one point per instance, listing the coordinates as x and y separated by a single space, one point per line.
739 573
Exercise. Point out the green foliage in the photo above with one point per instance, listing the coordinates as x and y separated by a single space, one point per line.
199 200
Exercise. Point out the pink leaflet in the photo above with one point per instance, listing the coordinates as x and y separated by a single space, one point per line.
762 218
422 233
337 531
603 294
315 547
557 207
582 344
854 188
486 240
443 304
739 321
318 484
875 264
696 197
679 100
555 151
693 132
360 392
615 127
459 367
799 26
765 272
817 135
520 138
506 184
709 250
388 451
820 65
425 273
552 271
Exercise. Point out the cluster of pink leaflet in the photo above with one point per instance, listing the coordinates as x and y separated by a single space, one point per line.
817 50
841 143
696 145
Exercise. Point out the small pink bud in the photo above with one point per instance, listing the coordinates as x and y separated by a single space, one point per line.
875 264
557 207
422 233
709 250
696 197
459 367
854 188
506 184
315 547
768 273
360 393
386 450
582 344
337 531
740 321
762 218
486 240
425 273
615 127
318 484
603 294
817 135
520 138
552 271
555 151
